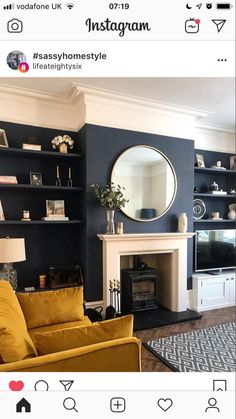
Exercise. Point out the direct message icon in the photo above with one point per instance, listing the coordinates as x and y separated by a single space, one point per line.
164 404
67 384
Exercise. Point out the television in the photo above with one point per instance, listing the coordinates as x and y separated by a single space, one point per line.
215 250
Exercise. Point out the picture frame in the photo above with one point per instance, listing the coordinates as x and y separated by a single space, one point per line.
55 208
65 276
3 138
36 179
200 160
2 216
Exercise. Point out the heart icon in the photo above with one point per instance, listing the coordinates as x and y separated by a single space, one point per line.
165 404
16 385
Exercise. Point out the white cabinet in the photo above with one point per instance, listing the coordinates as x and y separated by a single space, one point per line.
213 291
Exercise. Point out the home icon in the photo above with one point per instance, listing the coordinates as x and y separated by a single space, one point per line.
23 406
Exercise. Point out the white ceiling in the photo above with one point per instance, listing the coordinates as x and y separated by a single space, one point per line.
216 96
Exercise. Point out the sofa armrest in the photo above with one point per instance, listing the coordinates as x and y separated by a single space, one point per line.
123 355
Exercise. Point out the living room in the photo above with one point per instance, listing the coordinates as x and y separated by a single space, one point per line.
48 205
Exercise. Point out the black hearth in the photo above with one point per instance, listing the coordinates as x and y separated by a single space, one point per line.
138 290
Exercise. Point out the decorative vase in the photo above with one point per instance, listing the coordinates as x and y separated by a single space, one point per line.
182 222
232 215
110 222
63 148
214 187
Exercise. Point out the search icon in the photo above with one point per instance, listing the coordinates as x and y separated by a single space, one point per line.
70 404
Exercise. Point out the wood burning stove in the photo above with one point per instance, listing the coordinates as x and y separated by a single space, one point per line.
138 290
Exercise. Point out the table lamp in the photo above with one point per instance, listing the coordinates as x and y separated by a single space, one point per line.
11 250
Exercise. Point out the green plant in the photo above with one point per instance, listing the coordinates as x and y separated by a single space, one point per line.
110 196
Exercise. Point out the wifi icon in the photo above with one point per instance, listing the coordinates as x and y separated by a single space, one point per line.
70 5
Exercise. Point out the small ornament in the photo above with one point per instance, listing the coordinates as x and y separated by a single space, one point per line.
182 222
232 215
119 228
214 187
42 281
69 182
25 215
58 180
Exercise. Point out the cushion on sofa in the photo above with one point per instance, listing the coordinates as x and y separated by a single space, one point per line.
15 342
54 327
52 307
62 340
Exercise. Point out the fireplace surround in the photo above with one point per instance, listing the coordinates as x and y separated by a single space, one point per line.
171 250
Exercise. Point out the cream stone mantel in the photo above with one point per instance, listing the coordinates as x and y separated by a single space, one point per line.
173 245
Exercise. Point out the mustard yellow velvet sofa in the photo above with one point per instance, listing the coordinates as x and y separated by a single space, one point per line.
47 331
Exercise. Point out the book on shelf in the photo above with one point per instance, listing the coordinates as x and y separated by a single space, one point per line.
55 218
8 179
218 192
33 147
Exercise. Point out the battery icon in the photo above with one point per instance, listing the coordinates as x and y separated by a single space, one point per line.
223 6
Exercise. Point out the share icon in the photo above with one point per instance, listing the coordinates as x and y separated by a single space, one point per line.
219 23
67 384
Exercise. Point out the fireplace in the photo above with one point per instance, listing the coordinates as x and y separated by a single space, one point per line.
138 290
172 272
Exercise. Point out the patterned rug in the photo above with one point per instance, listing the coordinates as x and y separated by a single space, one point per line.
204 350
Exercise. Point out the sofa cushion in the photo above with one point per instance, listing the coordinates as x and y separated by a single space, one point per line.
54 327
62 340
15 342
52 307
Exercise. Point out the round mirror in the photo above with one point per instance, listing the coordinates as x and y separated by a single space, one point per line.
149 180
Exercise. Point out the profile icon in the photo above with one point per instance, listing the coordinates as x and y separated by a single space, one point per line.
16 60
212 402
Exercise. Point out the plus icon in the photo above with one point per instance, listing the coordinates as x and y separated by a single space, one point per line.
117 405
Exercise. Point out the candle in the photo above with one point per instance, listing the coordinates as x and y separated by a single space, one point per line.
58 171
119 228
69 172
42 281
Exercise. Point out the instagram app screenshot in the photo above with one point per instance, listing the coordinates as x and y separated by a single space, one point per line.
117 209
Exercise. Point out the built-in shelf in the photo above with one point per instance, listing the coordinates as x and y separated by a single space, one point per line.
18 222
38 154
42 187
209 195
214 171
214 221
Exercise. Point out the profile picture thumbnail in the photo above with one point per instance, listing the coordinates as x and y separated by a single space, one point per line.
17 59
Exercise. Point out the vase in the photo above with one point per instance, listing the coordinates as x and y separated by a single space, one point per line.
214 187
63 148
110 222
182 222
232 215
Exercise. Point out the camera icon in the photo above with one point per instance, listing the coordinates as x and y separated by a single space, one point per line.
15 26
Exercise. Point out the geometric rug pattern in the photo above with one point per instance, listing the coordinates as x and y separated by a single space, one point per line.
205 350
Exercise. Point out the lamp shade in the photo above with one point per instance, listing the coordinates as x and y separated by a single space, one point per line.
12 250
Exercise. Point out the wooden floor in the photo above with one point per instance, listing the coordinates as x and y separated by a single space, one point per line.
151 363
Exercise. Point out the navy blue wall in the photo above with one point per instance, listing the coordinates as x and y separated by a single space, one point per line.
102 146
46 245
